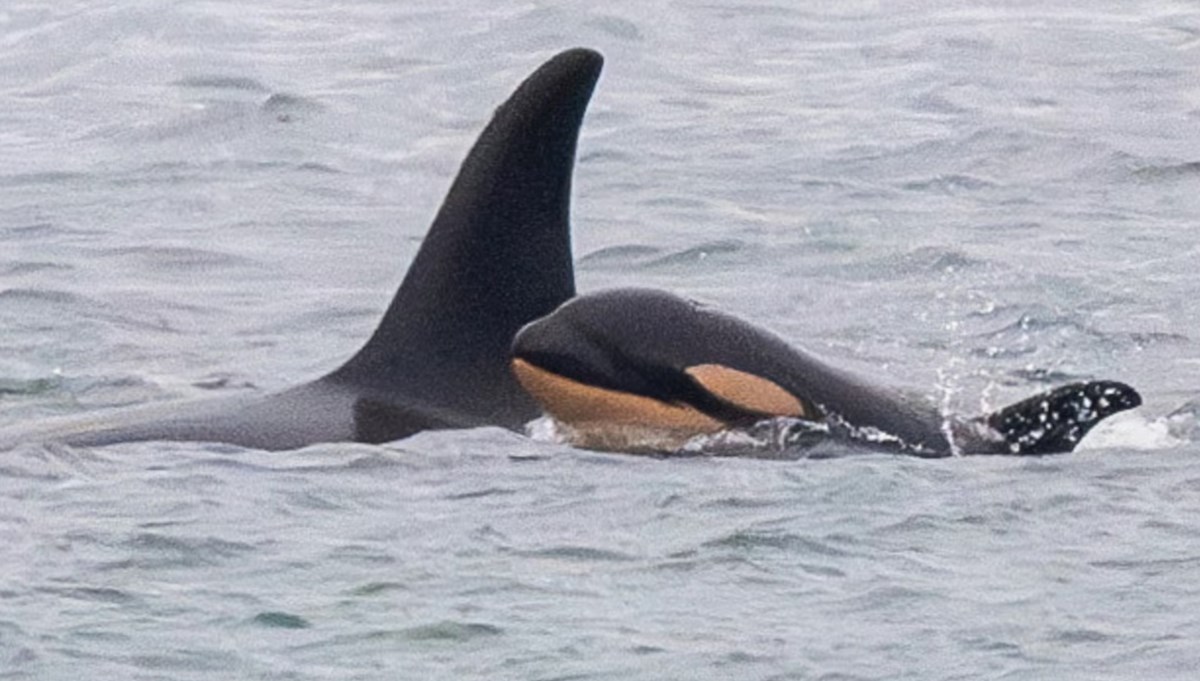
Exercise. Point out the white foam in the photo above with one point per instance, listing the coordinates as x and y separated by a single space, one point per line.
545 429
1131 431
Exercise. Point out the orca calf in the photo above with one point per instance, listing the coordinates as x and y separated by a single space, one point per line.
497 256
644 370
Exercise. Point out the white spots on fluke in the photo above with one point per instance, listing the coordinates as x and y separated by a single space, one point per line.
1058 420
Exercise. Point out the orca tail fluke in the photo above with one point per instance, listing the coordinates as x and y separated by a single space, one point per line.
498 255
1054 422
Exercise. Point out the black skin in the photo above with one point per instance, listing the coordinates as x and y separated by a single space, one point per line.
1056 421
640 341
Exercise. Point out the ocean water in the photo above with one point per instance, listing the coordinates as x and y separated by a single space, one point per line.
975 202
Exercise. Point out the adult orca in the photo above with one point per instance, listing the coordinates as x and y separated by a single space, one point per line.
644 370
497 256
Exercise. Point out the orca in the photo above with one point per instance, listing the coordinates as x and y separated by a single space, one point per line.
644 370
498 255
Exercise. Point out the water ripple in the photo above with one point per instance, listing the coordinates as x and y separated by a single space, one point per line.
280 620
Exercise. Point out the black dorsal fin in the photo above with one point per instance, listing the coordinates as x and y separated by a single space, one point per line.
497 256
1055 421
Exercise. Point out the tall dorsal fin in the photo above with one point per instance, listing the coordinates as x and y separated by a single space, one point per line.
497 256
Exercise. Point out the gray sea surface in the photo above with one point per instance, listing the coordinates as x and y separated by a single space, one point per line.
977 201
